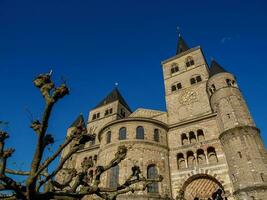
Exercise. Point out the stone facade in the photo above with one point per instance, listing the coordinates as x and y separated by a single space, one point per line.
205 141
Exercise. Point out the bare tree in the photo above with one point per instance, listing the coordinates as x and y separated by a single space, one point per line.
41 183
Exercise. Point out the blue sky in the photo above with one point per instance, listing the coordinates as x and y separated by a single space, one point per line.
93 44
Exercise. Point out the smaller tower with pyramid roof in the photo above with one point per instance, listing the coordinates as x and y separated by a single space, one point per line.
111 108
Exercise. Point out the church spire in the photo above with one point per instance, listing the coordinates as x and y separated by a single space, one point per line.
78 120
181 45
115 95
216 68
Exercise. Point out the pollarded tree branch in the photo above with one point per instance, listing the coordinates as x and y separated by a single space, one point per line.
13 185
55 155
59 167
44 83
4 153
79 140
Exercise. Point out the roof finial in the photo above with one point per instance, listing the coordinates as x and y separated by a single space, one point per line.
116 84
178 31
50 72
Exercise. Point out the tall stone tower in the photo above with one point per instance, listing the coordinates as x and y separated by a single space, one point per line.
239 136
185 77
197 161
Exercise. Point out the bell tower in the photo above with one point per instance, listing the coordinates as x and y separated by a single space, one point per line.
185 77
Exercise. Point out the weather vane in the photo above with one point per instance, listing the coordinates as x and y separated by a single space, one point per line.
50 72
178 30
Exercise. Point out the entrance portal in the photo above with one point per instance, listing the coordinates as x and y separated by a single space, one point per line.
200 187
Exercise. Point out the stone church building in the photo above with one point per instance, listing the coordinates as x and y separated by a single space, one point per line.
205 141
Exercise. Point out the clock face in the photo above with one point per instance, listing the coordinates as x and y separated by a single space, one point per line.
188 97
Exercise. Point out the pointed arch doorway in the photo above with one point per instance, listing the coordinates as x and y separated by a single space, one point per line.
200 187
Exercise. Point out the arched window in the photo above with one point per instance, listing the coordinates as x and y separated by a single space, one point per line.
192 81
201 158
114 177
213 87
176 86
122 133
152 173
184 139
94 117
140 133
189 61
174 68
200 135
108 137
198 78
190 159
195 79
212 156
181 161
123 113
192 137
179 86
228 82
156 135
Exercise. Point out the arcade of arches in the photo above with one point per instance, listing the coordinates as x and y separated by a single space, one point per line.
201 187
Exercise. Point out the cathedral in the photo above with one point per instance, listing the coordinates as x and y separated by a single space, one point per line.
205 141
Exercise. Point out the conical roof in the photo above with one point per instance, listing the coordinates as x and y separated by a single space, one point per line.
216 68
114 95
78 120
181 46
